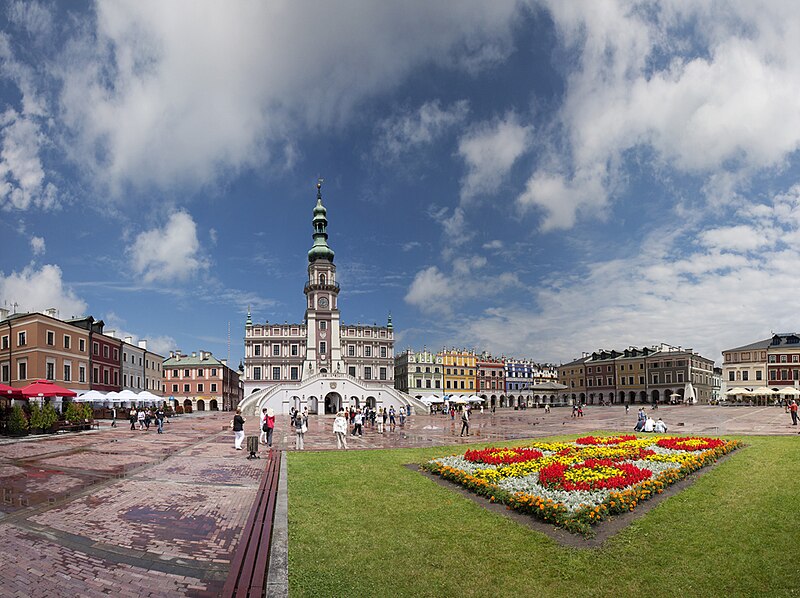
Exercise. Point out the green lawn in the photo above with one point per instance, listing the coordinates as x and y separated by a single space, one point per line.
361 524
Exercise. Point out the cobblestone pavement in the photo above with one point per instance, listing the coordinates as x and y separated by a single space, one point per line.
134 513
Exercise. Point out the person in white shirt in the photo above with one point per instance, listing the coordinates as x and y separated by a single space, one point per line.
649 424
340 430
660 426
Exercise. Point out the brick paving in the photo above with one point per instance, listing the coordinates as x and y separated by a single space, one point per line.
134 513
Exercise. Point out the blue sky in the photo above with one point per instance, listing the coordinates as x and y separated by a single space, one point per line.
534 179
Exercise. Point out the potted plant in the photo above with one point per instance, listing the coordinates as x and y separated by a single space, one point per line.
17 422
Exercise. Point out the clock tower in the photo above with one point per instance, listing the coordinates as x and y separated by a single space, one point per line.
323 345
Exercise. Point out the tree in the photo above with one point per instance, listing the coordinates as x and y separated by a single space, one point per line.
17 422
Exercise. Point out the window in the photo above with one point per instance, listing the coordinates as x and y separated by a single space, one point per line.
679 377
185 373
668 378
383 353
276 373
125 357
419 383
276 349
655 378
200 373
116 379
351 350
731 376
186 388
116 356
82 345
67 372
367 351
367 373
105 351
50 338
352 371
427 383
105 376
783 358
200 387
257 350
82 374
22 369
294 373
382 374
758 374
745 375
5 342
213 372
22 339
323 347
294 350
213 387
419 370
95 376
5 373
323 325
773 374
174 388
448 384
772 359
437 383
257 373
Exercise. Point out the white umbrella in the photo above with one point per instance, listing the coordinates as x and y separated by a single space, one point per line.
459 400
789 391
735 391
113 396
93 396
127 396
762 390
689 394
434 399
148 396
475 399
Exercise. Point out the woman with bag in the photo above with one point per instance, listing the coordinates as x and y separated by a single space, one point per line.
237 425
270 425
300 428
263 436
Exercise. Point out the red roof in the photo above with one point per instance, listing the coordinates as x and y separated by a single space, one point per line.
45 388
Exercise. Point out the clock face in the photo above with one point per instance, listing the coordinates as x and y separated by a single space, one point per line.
323 302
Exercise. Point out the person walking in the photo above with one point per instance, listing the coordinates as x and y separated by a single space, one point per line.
464 421
113 417
402 415
300 429
379 418
140 419
263 434
357 423
270 425
237 424
160 419
340 430
132 418
793 411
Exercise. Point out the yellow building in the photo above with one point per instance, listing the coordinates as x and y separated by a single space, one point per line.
459 371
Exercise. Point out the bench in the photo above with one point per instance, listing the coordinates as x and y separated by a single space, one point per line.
248 572
68 426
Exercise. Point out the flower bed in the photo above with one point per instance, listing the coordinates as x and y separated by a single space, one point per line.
578 484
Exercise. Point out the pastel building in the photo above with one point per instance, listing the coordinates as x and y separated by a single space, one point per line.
783 360
490 381
320 364
201 382
459 371
746 366
141 369
419 373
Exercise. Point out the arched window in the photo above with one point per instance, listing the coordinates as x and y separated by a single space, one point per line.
322 279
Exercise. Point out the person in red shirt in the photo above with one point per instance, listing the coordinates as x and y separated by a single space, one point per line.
793 411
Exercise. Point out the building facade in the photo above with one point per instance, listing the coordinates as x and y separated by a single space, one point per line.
105 367
746 365
320 364
490 380
459 371
783 360
419 373
37 346
201 382
573 376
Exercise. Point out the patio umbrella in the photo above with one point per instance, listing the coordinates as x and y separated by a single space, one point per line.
113 396
10 392
762 390
735 391
93 396
459 400
46 388
475 399
789 391
127 395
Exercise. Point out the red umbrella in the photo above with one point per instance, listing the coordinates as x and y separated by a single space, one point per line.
10 391
45 388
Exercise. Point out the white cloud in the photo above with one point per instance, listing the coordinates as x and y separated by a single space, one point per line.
494 245
22 178
31 16
40 289
155 97
37 245
429 291
720 104
170 253
160 344
212 234
410 130
733 287
489 151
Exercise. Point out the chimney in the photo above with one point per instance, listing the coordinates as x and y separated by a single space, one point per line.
128 339
52 312
143 344
194 353
224 362
172 353
3 313
111 333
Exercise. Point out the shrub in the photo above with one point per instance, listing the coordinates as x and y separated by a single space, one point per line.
75 413
49 416
17 422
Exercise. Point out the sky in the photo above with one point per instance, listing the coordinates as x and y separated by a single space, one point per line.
531 179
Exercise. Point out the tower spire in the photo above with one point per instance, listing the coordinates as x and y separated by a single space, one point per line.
320 249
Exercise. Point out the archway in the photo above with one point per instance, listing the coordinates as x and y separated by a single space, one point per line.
187 405
312 404
493 402
213 405
355 402
333 402
654 396
642 397
667 396
583 398
201 405
631 397
370 402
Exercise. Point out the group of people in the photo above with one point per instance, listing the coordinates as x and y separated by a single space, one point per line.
577 410
141 419
645 423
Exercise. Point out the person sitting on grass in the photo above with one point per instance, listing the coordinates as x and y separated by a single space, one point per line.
660 426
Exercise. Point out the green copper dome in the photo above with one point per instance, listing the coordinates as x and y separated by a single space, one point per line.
320 249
